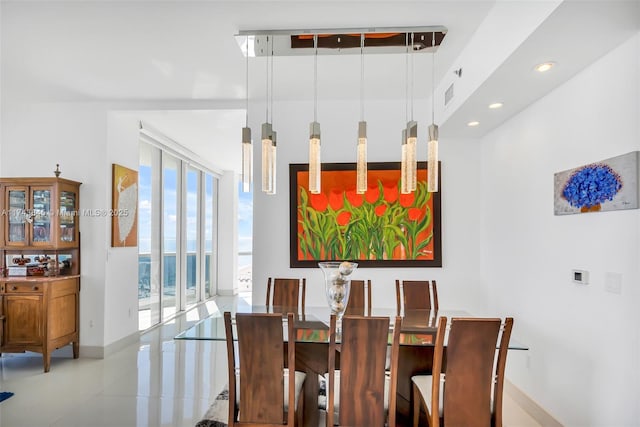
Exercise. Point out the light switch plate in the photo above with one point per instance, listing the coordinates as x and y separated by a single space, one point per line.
613 283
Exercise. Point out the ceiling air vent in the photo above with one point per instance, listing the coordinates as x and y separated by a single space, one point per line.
448 94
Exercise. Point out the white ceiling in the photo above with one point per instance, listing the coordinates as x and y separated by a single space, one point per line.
183 55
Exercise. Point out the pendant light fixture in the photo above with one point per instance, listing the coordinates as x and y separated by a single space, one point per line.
272 154
247 149
432 146
408 165
361 162
314 130
267 138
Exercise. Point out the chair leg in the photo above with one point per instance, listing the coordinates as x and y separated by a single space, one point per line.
415 397
300 411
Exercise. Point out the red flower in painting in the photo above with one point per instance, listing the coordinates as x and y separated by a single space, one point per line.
336 199
391 193
407 200
354 198
319 202
414 214
372 194
343 218
380 209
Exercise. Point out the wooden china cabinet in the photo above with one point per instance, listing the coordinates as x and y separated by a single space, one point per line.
40 280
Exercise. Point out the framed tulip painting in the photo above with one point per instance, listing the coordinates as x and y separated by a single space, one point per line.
380 228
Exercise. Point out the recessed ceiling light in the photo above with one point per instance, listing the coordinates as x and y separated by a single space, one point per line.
495 105
473 123
545 66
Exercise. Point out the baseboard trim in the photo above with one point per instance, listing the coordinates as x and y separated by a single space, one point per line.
95 352
530 406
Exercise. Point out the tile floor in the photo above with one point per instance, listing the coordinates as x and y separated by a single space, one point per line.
156 382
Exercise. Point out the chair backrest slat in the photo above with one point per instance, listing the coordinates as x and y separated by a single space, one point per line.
260 348
260 341
416 294
363 350
359 298
500 367
286 293
471 351
474 356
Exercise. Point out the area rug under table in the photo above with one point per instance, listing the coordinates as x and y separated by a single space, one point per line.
218 412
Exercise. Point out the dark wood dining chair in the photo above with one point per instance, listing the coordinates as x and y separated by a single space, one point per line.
416 294
469 379
361 392
359 298
261 392
290 293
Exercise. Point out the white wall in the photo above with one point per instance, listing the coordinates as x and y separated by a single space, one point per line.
37 136
121 269
583 362
458 285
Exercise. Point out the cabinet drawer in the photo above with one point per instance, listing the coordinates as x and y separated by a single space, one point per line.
22 288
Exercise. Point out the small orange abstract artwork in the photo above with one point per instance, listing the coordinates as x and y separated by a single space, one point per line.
124 212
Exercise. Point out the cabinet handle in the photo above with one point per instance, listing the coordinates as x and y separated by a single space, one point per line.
14 288
35 288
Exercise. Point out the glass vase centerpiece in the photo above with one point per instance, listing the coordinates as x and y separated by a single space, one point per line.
337 282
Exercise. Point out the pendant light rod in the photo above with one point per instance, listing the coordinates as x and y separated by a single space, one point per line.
362 77
412 75
433 81
246 75
271 89
406 79
266 74
315 78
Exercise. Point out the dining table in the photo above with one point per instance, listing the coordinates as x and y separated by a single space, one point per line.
417 338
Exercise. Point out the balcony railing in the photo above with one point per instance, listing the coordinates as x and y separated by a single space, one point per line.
144 272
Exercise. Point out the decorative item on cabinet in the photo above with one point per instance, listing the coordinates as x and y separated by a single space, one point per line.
40 262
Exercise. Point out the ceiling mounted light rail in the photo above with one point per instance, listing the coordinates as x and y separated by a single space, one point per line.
339 41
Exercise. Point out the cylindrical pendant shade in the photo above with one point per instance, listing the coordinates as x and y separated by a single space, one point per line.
247 154
272 164
267 142
432 160
404 166
361 162
412 156
314 158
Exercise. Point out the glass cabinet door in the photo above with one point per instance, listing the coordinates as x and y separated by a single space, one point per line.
67 217
17 216
41 216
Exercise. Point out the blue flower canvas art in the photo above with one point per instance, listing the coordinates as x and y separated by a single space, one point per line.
611 184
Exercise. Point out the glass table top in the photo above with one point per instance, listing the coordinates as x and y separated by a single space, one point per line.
312 326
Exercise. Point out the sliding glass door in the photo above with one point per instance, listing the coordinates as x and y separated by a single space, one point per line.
192 226
170 220
148 237
177 234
